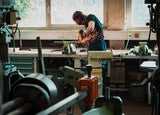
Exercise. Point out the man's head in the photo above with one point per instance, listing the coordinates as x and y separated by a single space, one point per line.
79 17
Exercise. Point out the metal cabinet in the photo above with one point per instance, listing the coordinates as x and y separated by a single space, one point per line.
26 65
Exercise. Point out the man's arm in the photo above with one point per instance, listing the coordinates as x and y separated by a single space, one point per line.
84 37
90 28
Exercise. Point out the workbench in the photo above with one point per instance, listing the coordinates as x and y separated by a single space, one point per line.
32 54
26 60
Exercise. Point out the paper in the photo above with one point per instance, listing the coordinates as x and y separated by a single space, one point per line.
148 64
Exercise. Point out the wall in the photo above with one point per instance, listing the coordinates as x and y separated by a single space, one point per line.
125 35
115 14
72 35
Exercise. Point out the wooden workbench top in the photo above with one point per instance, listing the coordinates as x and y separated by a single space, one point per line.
49 52
45 52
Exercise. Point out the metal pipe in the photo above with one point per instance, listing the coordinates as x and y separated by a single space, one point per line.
105 78
22 110
64 104
157 104
11 105
107 95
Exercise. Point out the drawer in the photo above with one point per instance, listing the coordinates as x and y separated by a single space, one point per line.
26 65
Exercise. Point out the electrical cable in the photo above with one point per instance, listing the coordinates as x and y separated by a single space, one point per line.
149 36
15 29
5 17
127 43
20 40
12 36
150 30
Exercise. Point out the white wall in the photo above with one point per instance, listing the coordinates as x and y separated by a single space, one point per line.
72 35
124 35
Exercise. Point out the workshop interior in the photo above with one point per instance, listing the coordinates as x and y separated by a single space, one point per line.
46 71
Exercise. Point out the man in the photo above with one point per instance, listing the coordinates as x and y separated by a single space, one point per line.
93 35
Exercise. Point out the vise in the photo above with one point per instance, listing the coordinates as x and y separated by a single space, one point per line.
71 75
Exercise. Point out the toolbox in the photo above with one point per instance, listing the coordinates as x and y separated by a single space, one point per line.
89 84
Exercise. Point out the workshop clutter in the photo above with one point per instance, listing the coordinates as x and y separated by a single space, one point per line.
141 50
69 48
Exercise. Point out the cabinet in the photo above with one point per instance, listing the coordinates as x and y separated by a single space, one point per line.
117 72
26 65
118 77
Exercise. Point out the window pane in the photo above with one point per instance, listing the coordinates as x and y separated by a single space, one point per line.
140 13
62 10
32 13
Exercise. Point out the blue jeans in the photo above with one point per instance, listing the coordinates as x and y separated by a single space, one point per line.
97 45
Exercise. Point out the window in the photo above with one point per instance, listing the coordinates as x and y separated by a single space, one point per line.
48 13
138 14
62 10
32 13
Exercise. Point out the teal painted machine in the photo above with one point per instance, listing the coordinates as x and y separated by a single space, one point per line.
106 105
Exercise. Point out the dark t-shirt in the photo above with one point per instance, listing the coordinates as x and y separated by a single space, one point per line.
96 44
98 24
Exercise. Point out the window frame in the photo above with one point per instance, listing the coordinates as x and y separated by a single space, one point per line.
50 26
128 17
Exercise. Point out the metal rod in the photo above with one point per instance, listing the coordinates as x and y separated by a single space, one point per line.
84 68
40 56
158 44
64 104
23 110
11 105
107 95
105 79
157 103
89 69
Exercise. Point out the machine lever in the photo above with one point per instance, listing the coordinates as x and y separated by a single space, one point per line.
144 82
40 57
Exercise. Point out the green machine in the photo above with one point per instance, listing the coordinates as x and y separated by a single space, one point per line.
71 75
65 79
106 105
10 72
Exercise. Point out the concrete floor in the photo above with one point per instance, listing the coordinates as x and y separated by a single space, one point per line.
136 108
130 107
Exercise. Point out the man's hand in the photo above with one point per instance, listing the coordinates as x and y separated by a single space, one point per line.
82 33
82 39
